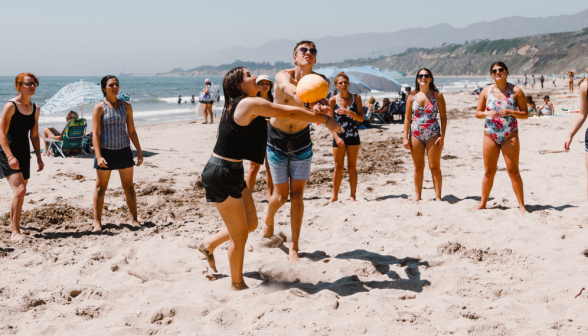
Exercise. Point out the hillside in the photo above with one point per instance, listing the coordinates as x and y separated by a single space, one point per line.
388 43
539 54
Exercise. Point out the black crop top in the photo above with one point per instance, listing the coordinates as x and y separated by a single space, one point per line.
242 142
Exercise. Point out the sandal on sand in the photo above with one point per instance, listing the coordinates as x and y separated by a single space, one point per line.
209 256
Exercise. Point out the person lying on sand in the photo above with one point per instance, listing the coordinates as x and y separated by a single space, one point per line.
242 136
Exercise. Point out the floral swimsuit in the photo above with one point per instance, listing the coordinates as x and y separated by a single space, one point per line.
424 124
501 127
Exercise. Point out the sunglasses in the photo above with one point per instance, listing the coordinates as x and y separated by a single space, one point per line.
304 50
427 76
29 84
263 83
497 70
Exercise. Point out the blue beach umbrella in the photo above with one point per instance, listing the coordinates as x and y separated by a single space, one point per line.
73 95
374 78
355 85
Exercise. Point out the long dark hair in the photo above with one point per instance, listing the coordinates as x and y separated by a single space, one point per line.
432 86
232 91
105 80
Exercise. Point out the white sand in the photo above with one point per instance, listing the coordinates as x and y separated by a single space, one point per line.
383 265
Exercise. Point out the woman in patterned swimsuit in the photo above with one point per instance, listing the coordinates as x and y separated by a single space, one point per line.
579 121
422 132
498 104
347 109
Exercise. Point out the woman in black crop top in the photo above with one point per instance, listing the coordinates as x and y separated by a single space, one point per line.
17 125
243 135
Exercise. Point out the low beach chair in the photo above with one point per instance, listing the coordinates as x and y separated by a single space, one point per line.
397 108
73 138
382 117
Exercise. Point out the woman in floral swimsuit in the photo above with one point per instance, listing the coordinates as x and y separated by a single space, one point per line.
422 132
498 104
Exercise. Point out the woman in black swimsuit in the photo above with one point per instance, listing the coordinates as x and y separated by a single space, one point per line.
344 108
242 135
17 125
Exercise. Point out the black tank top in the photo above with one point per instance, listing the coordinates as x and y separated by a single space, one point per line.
242 142
350 126
18 131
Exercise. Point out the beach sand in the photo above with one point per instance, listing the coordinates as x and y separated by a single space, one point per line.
383 265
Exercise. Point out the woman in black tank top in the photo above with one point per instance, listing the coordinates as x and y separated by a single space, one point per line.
242 135
347 109
17 125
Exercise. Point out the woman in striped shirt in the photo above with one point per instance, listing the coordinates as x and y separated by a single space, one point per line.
112 125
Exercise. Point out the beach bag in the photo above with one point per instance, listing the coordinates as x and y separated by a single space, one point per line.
214 93
200 110
204 97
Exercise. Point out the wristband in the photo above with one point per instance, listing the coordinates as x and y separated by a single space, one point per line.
12 157
328 118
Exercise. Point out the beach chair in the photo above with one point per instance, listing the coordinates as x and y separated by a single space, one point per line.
381 117
396 108
73 138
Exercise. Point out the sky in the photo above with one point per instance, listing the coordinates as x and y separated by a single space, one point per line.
87 37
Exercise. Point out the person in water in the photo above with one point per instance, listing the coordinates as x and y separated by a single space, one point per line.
422 133
193 101
52 133
347 109
265 86
18 124
179 99
242 135
289 148
579 121
498 104
113 126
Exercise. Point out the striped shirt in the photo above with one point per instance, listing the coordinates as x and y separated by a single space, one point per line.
113 127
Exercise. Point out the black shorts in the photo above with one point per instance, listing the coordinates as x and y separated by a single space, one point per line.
586 141
24 162
354 141
222 178
116 158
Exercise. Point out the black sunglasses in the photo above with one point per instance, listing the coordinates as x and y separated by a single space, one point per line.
494 71
427 76
29 84
304 50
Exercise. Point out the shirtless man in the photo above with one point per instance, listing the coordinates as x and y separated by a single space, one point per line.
289 148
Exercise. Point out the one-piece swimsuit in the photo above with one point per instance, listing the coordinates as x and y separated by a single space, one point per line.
424 119
499 128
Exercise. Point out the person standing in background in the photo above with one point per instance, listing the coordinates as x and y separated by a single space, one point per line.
113 126
18 124
347 109
265 86
554 81
208 101
532 82
525 81
542 80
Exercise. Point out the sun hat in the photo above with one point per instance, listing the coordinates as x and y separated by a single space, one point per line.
264 77
207 81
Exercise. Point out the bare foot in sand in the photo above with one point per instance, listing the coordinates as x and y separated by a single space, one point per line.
16 236
523 209
480 206
268 227
438 200
294 258
135 223
416 198
333 199
239 286
352 199
209 256
97 227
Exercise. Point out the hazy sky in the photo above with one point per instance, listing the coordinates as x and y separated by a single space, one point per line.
87 37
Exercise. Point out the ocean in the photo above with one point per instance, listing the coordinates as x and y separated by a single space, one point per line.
155 99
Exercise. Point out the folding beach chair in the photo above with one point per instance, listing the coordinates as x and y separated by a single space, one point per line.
381 117
73 138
